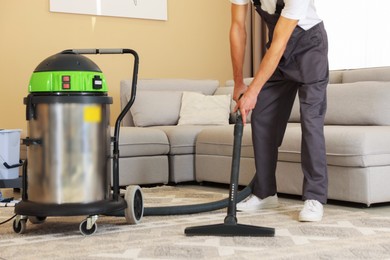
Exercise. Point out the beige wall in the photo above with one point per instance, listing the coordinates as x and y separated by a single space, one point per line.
193 43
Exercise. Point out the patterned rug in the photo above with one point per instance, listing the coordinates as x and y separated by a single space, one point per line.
342 234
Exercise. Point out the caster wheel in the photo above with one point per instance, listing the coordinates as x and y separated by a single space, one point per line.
135 204
19 226
84 229
36 220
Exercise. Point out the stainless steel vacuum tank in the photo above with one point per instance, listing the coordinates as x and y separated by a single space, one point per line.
68 126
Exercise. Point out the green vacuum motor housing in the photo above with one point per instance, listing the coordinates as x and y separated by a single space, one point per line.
67 72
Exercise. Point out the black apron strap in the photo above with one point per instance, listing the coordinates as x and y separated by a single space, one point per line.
256 3
279 6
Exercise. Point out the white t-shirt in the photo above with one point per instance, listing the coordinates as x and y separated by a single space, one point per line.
302 10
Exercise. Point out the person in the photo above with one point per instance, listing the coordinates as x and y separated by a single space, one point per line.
296 60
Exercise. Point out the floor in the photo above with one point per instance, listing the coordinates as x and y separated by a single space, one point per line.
377 209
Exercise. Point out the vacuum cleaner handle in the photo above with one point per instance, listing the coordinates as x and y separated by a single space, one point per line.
126 109
6 165
96 51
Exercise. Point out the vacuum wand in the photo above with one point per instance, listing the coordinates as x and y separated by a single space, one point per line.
232 211
230 227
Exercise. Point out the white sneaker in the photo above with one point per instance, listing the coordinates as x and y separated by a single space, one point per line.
253 203
312 211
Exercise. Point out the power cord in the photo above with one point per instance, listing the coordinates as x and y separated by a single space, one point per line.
2 223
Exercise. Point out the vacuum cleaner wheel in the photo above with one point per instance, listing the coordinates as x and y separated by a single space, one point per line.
84 228
135 204
19 226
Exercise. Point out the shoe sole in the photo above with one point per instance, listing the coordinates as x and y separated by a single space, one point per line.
269 206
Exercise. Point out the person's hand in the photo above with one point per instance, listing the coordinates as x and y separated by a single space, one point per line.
246 103
239 90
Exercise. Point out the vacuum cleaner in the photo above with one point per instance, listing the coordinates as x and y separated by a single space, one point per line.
67 171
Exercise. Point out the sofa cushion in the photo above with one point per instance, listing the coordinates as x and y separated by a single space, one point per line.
228 90
335 76
206 87
358 103
218 140
152 108
182 138
367 74
199 109
368 105
347 146
137 141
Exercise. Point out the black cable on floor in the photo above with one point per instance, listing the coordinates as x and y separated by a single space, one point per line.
2 223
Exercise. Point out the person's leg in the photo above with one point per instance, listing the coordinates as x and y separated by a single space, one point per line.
269 120
313 153
313 67
312 62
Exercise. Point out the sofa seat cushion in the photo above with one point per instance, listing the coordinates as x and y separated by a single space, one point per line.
218 140
349 146
141 141
182 138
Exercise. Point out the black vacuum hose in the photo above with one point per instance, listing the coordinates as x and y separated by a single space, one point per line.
196 208
188 209
211 206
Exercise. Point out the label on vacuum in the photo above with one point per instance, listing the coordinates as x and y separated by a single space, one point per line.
92 114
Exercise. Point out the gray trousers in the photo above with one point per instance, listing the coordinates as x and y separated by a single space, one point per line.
303 69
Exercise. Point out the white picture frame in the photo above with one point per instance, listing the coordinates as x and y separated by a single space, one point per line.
142 9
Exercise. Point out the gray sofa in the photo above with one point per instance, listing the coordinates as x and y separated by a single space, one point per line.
153 147
357 132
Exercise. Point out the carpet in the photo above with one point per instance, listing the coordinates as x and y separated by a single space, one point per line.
342 234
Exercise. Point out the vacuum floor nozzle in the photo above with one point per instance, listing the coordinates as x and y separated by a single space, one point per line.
230 227
230 230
